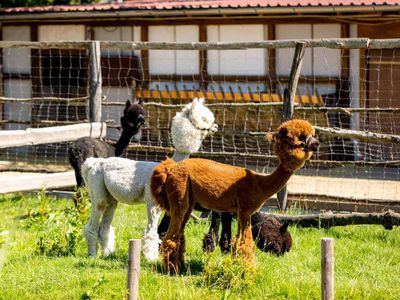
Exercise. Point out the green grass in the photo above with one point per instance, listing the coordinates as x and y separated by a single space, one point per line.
367 260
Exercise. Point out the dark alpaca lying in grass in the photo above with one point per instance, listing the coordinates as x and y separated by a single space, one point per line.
268 233
85 147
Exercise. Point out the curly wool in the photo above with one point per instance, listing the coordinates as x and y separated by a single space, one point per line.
113 180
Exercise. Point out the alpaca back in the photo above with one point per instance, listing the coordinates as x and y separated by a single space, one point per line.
158 181
91 163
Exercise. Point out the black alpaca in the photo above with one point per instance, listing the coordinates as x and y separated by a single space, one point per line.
85 147
268 232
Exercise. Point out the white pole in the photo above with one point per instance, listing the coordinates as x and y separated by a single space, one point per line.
132 283
327 269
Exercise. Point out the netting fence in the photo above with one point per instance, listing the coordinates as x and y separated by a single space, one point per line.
347 88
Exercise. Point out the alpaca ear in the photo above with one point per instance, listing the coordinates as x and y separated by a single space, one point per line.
128 103
271 136
284 228
140 101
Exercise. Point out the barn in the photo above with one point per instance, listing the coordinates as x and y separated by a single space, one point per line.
358 77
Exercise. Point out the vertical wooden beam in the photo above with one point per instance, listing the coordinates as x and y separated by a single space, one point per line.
345 55
288 104
203 58
144 36
132 282
272 59
327 269
95 82
35 64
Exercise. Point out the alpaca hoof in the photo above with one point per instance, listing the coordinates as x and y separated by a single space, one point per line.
208 243
107 240
225 244
108 251
150 247
170 254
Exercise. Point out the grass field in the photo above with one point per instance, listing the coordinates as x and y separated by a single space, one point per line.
42 256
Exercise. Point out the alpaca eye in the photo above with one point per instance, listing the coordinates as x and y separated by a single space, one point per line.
204 119
302 137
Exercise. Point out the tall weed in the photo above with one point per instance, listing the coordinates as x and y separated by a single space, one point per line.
58 231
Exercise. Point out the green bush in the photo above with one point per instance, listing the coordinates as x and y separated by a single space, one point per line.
58 231
233 273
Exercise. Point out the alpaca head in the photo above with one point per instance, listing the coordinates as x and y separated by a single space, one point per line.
270 234
294 143
133 119
191 125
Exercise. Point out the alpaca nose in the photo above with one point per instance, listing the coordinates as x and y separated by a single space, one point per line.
141 119
313 144
214 128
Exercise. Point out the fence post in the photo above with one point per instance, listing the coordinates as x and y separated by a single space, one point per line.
327 269
132 282
95 82
288 104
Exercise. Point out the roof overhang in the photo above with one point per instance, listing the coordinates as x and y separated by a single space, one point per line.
149 14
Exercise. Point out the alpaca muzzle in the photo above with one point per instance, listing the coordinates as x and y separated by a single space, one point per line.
212 129
312 143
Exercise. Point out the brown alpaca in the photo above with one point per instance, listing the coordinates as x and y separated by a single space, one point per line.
216 186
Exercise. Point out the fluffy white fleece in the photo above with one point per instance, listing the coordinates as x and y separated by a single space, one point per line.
112 180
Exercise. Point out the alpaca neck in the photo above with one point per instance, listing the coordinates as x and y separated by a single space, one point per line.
122 143
275 181
178 156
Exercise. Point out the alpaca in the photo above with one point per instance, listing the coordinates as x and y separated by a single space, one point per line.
268 233
85 147
113 180
177 187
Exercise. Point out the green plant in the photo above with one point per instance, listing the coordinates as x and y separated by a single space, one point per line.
87 295
59 231
234 273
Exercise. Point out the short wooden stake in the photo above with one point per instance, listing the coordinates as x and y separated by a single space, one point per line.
327 269
132 283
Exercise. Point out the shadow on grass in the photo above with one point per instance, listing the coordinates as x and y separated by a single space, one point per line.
192 267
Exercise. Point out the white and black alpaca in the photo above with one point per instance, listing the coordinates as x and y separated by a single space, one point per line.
268 233
131 121
117 180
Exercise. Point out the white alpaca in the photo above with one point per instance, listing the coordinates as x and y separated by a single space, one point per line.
113 180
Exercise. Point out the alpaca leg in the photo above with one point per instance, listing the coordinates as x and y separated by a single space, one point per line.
244 241
163 227
91 231
106 231
211 238
151 240
226 234
173 246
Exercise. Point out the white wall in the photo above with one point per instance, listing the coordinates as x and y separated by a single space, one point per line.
54 33
117 33
327 62
284 57
167 62
16 60
237 62
13 110
317 61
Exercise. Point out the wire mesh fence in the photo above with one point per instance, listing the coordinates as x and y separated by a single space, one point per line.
347 89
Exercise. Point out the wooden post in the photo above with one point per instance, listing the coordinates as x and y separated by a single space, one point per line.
132 283
288 105
327 269
95 82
